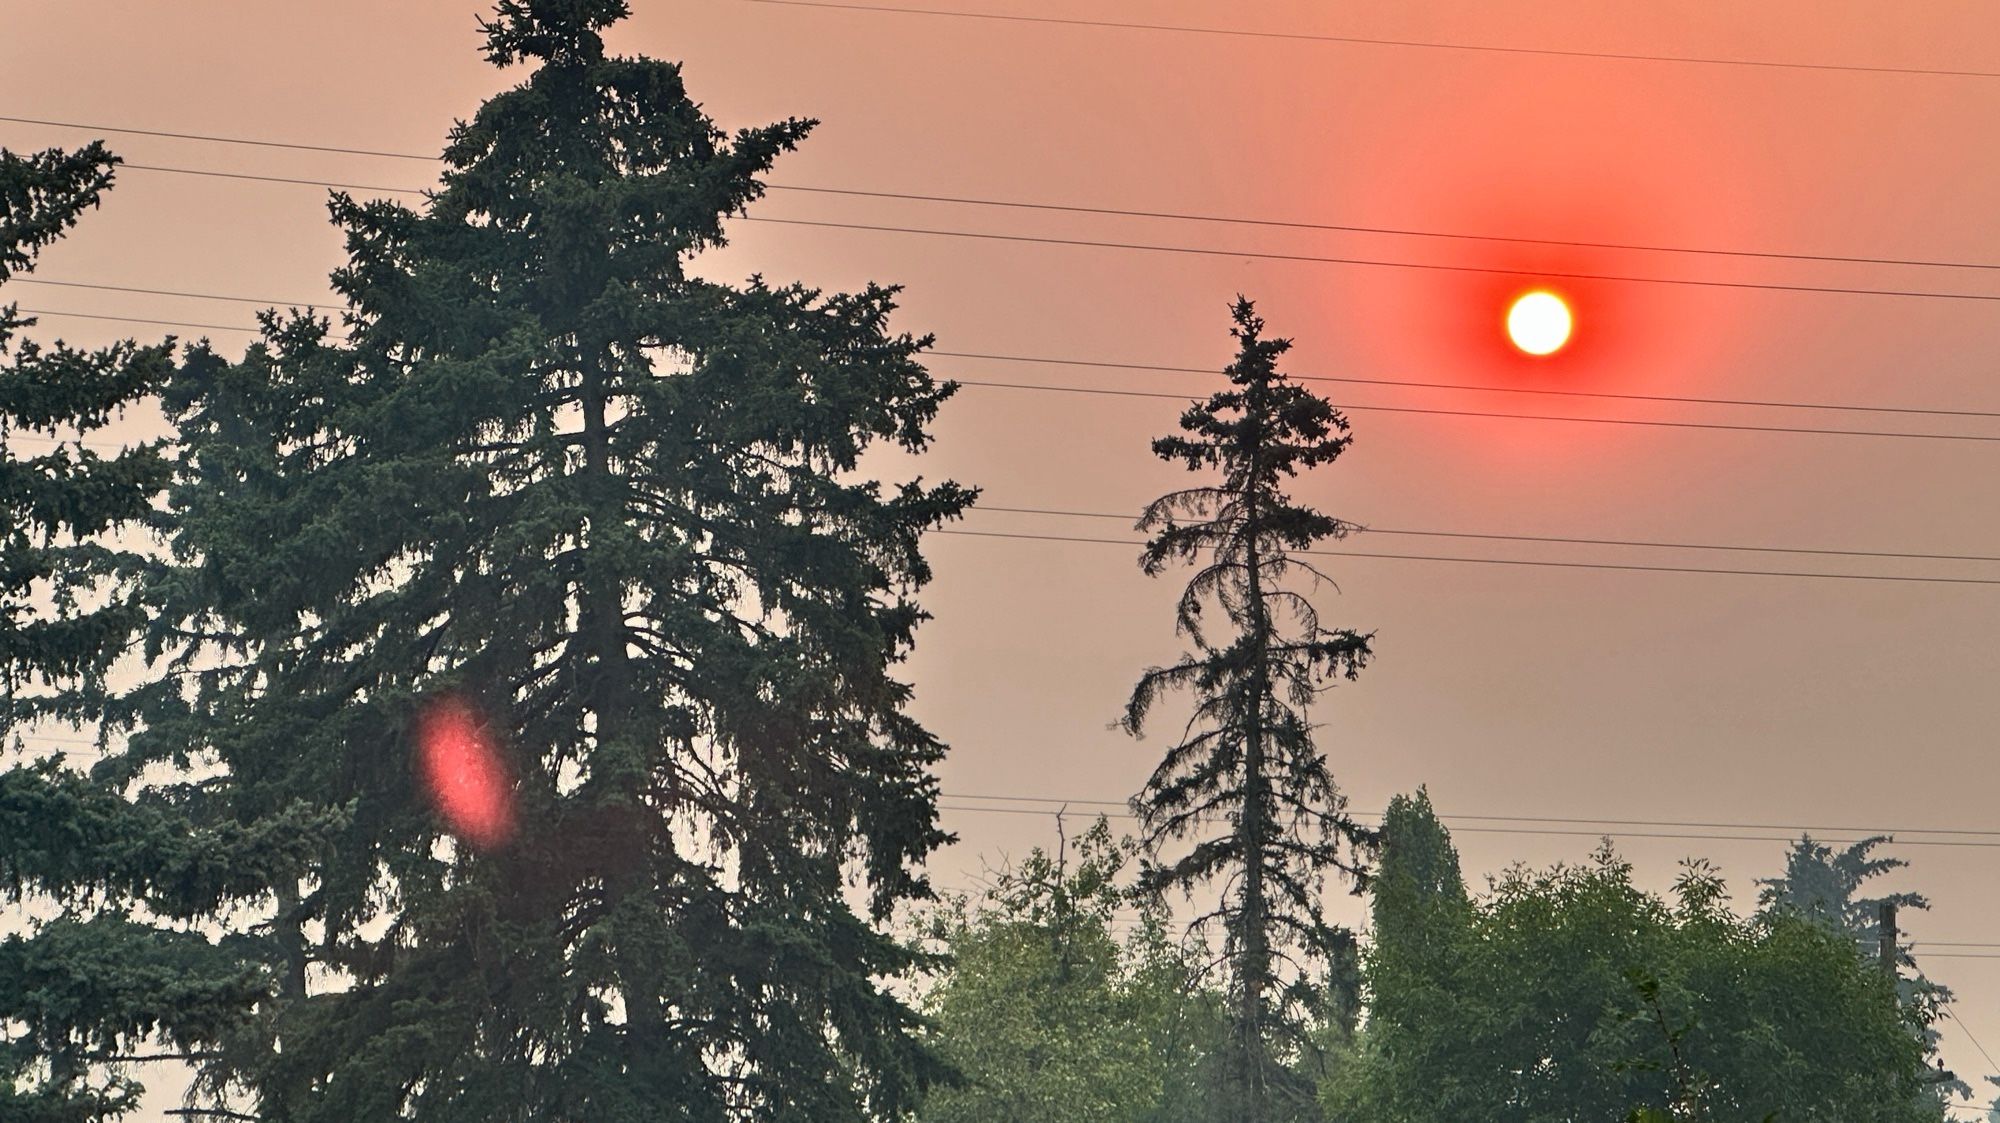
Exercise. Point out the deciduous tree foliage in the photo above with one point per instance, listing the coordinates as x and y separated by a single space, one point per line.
1572 994
1248 757
1824 885
108 968
553 479
1050 1018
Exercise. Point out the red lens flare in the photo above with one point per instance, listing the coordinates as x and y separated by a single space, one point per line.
462 768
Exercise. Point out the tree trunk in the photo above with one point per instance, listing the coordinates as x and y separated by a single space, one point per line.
601 622
1254 963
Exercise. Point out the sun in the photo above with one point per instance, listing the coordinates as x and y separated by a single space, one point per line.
1539 322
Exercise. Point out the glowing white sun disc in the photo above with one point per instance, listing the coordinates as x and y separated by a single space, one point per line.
1539 322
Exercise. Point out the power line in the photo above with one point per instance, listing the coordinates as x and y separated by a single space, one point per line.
1180 397
1551 831
1953 1015
133 319
1176 216
1311 37
1558 819
1043 388
1044 360
1058 803
1323 259
1470 535
97 286
1271 256
1162 368
1708 425
1556 539
1165 368
1049 805
1611 566
275 179
1711 425
1400 232
214 139
1258 255
1261 254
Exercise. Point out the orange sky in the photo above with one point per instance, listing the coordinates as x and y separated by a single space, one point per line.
1508 690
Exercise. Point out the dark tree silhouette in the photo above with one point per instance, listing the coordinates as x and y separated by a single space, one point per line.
105 969
611 511
58 504
1247 756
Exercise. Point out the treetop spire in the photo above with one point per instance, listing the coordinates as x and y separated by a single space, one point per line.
555 31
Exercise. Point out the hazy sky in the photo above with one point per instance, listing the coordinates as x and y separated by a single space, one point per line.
1510 690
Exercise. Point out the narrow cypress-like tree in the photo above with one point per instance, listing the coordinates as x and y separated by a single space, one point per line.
107 972
606 517
1247 757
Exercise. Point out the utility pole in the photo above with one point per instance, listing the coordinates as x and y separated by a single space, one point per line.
1887 936
1886 949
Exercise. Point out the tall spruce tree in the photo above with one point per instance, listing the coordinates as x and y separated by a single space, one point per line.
1248 755
606 517
112 967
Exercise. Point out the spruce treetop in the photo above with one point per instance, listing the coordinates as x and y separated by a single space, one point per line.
562 32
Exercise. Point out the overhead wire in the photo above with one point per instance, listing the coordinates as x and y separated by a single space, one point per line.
1048 804
1371 41
1106 364
1373 262
1165 215
1266 255
1922 579
1180 216
1611 830
1633 567
1547 538
1967 1030
216 139
1120 809
1568 420
1186 396
1600 827
1608 395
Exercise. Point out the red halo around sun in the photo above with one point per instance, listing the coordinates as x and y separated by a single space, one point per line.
464 774
1516 179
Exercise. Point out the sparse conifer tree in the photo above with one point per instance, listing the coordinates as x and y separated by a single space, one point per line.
1248 760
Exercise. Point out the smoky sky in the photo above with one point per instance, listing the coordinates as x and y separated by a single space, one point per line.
1510 690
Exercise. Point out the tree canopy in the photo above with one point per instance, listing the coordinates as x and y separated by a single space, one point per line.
1050 1017
1824 885
1572 994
